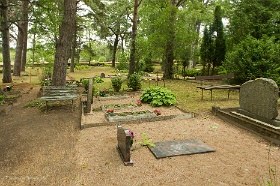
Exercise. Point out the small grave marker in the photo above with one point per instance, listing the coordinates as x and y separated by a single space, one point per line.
102 75
124 140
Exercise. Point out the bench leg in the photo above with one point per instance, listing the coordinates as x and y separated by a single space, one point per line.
202 94
211 94
228 93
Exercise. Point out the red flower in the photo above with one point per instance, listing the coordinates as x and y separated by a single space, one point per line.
110 111
157 112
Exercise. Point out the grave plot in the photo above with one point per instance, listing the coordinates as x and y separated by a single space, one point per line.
128 110
258 111
117 106
117 97
129 116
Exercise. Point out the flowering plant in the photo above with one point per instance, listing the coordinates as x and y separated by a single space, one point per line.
139 103
157 112
7 88
103 93
132 137
110 111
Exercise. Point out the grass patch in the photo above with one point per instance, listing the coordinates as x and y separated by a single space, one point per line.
187 95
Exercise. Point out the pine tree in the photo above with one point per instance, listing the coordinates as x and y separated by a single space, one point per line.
218 34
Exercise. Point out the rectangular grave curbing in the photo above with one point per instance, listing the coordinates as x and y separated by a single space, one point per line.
117 106
112 98
124 144
129 116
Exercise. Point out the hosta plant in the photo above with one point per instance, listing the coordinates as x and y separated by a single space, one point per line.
158 96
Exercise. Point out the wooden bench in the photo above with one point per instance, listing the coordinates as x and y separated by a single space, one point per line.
215 77
59 93
211 88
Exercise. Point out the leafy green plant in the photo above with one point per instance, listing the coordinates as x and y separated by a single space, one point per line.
103 93
134 82
148 65
1 99
46 73
46 82
85 83
123 62
36 103
191 72
98 80
116 83
146 141
158 96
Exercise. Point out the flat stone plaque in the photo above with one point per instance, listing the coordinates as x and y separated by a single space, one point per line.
178 148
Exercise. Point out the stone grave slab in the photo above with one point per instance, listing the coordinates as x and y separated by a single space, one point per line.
124 140
178 148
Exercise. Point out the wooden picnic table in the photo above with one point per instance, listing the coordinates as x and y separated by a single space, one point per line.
211 88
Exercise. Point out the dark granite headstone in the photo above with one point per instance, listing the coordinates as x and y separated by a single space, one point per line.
102 75
124 140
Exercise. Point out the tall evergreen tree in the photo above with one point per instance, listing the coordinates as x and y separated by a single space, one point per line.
220 44
5 32
206 50
63 45
133 37
21 48
255 18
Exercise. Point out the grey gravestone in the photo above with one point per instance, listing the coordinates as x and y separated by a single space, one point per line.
124 137
259 97
102 75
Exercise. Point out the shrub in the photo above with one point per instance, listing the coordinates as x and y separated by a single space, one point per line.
116 83
148 65
98 80
85 83
102 59
158 96
123 64
134 82
253 58
191 72
1 99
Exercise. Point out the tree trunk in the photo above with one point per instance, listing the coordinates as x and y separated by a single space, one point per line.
133 38
73 49
115 47
25 33
18 57
169 50
63 45
7 77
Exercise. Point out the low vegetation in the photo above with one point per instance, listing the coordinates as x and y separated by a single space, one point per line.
158 96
